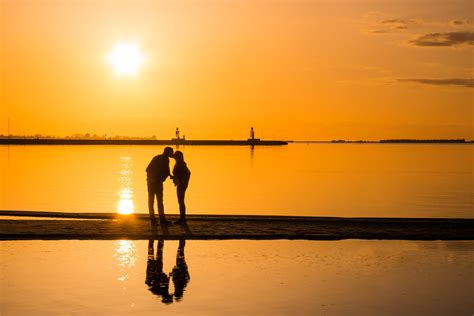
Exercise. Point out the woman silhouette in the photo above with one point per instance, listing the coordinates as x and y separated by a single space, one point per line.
181 175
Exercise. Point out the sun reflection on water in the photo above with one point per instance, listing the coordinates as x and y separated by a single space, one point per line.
125 204
126 257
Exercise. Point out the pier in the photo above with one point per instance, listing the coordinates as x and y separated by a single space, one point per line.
186 142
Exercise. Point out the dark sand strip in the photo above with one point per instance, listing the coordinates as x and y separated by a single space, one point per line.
137 226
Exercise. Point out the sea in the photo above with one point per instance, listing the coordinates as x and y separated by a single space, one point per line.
299 179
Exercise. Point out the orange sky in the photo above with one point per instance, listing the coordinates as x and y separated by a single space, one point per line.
322 69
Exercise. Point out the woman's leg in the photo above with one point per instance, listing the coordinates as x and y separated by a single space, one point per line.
181 190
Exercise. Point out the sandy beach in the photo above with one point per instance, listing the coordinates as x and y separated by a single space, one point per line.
29 225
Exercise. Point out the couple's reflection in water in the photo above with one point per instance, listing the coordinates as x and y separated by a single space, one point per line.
158 281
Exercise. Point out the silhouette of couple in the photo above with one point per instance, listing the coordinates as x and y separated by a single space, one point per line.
158 282
158 171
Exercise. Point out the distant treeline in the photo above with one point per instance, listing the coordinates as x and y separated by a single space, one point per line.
423 140
79 136
404 141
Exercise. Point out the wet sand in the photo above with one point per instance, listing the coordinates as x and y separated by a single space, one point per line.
29 225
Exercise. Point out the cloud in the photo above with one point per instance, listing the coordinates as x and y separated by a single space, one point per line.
391 25
444 39
380 31
376 22
396 21
459 22
463 82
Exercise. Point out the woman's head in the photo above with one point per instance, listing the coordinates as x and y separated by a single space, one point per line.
178 156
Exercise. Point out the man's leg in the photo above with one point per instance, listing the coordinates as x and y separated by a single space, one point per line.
159 198
151 202
151 264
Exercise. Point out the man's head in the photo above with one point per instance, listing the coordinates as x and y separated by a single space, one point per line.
168 152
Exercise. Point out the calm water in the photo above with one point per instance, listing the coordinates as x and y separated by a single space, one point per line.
349 277
387 180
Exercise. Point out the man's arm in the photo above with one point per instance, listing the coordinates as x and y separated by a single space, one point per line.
168 172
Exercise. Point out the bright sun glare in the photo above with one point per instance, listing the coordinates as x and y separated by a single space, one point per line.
126 58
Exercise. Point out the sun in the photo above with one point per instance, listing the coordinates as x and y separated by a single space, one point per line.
126 58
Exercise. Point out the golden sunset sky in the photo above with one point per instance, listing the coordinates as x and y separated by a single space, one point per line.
320 70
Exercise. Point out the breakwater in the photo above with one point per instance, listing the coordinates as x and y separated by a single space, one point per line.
173 142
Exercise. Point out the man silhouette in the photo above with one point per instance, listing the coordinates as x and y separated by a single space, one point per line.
157 281
156 173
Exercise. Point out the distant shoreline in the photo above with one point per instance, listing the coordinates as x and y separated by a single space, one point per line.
389 141
177 142
109 226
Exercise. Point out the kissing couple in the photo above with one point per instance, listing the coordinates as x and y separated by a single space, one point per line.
157 172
